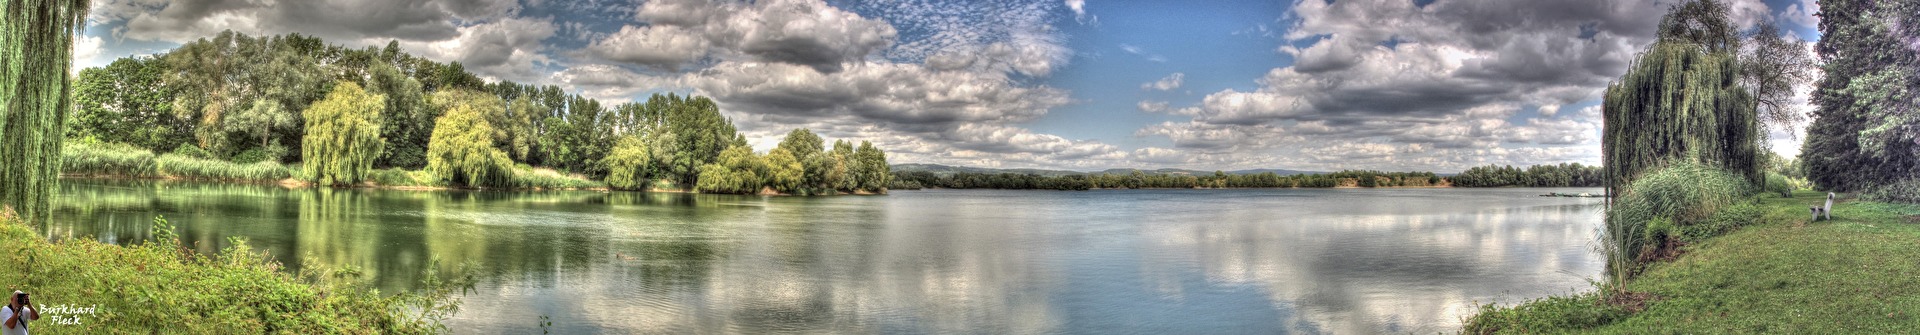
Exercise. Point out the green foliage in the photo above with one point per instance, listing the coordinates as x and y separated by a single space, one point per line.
842 175
810 150
1661 201
270 153
126 101
116 159
1867 105
528 177
343 136
1679 103
233 95
399 177
36 44
191 151
630 164
160 287
783 172
1778 184
736 171
1562 175
177 166
870 169
1901 191
461 151
406 121
1550 314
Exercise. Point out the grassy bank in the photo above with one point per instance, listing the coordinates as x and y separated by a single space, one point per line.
161 288
112 160
1778 274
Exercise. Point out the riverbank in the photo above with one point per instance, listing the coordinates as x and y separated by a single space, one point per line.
1780 274
87 287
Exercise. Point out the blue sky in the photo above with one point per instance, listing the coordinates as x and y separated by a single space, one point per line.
1081 85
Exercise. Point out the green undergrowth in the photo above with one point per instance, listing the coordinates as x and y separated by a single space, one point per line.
160 287
1776 273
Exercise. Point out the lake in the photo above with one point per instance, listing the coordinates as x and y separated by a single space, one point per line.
938 261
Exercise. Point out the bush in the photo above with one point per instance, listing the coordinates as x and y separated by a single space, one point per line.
178 166
106 159
271 153
160 286
1677 196
1904 191
192 151
1778 184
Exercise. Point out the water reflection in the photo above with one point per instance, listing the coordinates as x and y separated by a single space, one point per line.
1232 261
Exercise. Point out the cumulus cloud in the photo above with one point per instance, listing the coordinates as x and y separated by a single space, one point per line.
507 49
1169 83
1386 83
486 35
802 32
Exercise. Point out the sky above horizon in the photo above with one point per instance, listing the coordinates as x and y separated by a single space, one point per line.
1397 85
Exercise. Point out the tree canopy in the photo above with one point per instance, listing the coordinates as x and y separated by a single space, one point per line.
1865 134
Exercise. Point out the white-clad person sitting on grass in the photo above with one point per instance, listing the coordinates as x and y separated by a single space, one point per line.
18 311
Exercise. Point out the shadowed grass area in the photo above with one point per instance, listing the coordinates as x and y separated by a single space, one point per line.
1859 273
158 287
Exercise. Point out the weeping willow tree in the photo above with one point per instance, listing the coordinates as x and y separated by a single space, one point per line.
343 135
461 149
1679 103
36 50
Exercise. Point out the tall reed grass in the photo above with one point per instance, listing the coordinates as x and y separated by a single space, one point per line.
1655 208
81 158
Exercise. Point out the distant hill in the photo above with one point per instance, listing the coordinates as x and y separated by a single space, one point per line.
949 169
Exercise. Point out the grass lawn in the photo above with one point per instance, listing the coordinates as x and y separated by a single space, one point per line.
1859 273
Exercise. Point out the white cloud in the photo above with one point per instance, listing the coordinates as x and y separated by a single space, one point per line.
803 32
86 53
1169 83
1801 13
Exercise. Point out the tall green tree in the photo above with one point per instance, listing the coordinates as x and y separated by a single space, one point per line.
407 121
462 149
844 174
810 150
1864 128
1682 100
343 136
783 172
36 51
127 101
873 172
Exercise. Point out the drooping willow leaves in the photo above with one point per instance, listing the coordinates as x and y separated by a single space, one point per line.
343 135
1679 102
36 47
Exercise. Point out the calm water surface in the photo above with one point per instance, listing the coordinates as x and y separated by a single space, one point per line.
943 261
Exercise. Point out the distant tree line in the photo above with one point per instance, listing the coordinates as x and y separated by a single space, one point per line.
342 111
1561 175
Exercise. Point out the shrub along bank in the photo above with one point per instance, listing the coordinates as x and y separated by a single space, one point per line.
160 287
